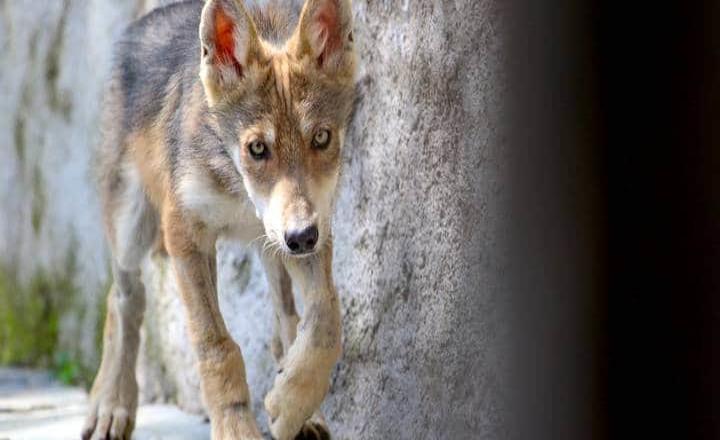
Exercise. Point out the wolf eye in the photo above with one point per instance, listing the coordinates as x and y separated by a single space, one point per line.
321 139
258 149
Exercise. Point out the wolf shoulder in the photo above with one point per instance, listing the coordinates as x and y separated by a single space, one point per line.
157 46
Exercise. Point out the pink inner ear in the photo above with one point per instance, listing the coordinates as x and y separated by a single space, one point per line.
225 40
328 23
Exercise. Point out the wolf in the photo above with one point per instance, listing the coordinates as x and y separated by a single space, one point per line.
226 121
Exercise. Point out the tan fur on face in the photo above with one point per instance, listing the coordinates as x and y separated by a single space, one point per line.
298 88
295 185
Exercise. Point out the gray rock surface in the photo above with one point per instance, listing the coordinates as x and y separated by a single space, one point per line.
417 255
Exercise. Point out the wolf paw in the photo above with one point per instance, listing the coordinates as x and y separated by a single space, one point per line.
290 406
314 429
111 415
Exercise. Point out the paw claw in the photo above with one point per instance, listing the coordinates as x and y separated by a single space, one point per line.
89 426
102 427
313 431
113 404
120 424
114 422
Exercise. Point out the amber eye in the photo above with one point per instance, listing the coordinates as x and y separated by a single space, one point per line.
258 150
321 138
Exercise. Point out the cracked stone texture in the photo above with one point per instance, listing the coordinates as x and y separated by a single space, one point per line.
417 255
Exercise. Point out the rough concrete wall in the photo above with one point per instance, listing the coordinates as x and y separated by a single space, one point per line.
417 258
53 55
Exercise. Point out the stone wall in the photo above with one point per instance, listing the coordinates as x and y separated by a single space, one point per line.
417 258
53 59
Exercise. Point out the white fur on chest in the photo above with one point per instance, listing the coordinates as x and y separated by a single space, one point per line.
226 214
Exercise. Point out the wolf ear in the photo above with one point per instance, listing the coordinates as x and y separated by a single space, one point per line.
229 43
325 34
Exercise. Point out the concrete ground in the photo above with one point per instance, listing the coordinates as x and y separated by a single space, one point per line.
33 406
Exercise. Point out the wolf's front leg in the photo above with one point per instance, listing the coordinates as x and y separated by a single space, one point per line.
114 394
285 329
220 362
301 385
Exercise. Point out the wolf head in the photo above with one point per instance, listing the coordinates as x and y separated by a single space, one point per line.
282 109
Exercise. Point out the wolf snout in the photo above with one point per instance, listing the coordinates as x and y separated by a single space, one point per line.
301 240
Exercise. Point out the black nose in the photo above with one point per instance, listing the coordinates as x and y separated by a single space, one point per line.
300 241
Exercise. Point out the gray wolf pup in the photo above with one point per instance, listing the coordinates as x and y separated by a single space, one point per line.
225 121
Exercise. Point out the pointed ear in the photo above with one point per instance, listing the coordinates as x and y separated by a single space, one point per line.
229 44
325 34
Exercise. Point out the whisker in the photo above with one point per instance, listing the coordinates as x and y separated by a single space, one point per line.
259 237
268 243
